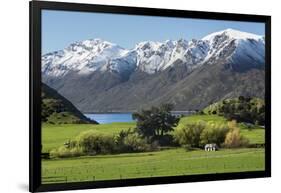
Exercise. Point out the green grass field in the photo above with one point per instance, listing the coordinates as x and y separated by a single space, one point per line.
54 136
167 162
162 163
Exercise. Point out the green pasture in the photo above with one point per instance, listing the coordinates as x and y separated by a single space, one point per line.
54 136
170 162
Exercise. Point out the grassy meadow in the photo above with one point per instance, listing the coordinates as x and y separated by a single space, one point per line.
146 164
152 164
54 136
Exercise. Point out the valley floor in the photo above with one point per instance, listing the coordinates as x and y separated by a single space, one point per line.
170 162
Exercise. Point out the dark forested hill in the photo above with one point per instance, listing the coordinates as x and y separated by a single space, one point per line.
58 110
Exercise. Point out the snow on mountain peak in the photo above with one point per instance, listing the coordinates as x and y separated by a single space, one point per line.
84 56
150 55
148 45
88 44
170 43
233 34
92 55
233 44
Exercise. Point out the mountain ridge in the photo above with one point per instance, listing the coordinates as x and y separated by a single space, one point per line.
189 74
97 55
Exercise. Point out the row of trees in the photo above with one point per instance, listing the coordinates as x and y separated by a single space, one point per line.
244 109
94 143
154 128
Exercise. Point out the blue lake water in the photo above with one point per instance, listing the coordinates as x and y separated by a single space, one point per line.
103 118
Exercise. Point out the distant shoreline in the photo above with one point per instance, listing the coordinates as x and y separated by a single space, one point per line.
122 112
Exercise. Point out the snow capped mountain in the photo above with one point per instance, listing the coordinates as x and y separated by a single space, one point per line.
153 56
85 57
233 34
92 55
238 47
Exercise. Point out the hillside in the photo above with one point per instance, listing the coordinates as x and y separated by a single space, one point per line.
242 109
58 110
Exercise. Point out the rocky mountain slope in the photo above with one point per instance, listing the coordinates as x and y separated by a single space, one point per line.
97 75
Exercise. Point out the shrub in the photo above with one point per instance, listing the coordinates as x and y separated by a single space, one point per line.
213 133
133 142
197 135
165 140
234 138
189 134
232 124
64 152
93 143
187 147
130 141
120 138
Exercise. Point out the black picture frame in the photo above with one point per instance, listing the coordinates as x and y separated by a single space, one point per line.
35 94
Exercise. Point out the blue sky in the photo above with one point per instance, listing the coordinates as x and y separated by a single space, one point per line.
60 28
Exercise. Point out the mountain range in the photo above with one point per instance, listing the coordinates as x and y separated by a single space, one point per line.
97 75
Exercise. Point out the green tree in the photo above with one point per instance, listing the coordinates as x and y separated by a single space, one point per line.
190 134
213 133
243 109
155 121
